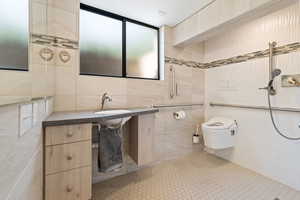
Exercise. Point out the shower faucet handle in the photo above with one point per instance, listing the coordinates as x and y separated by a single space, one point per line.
264 88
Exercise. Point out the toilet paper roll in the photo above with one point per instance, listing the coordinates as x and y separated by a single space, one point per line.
179 115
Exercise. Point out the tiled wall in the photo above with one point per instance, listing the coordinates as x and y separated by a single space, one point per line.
258 146
79 92
21 156
40 79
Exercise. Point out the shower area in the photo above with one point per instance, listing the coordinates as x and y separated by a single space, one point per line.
257 84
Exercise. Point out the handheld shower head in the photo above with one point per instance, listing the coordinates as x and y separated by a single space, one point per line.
276 73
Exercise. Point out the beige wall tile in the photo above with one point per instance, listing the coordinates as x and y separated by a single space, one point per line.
92 85
67 5
65 83
62 23
144 87
88 102
38 19
65 103
43 80
143 100
15 83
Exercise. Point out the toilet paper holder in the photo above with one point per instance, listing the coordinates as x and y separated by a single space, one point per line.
179 115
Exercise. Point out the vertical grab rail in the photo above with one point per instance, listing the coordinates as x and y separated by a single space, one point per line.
271 66
272 45
172 88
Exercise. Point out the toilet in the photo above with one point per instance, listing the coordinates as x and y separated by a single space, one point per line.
219 133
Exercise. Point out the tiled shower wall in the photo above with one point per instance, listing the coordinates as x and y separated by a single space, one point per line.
258 146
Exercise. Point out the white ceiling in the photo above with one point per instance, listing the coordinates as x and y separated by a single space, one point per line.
154 12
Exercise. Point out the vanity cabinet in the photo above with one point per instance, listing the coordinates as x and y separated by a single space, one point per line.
67 162
141 139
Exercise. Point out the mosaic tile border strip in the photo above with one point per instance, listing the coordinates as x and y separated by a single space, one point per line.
237 59
54 41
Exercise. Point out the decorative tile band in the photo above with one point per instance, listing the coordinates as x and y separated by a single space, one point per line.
54 41
238 59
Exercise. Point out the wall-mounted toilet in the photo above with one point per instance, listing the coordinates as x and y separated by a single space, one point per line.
219 133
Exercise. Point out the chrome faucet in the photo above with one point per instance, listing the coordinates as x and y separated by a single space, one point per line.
105 97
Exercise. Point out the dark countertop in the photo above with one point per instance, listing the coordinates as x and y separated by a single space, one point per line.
68 118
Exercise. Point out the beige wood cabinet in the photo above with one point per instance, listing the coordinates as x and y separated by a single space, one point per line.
68 160
68 156
141 137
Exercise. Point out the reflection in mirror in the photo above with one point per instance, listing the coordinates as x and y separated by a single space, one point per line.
14 34
142 51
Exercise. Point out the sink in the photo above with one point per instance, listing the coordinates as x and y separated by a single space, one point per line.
111 112
113 122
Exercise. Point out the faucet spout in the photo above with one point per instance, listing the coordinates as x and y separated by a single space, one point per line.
105 97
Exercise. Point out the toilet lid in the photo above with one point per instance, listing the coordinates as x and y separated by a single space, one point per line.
219 123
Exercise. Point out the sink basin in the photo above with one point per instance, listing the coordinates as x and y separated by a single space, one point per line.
113 122
111 112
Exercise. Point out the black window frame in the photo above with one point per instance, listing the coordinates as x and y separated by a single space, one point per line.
124 56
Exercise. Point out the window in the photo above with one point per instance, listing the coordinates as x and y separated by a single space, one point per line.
14 35
112 45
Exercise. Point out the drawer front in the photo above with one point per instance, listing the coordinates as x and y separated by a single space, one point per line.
67 134
71 185
68 156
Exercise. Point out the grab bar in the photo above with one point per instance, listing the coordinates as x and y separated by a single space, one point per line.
177 105
255 107
172 93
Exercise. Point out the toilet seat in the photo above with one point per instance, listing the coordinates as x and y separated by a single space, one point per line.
219 133
218 123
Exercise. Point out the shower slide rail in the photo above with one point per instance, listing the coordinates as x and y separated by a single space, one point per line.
255 107
177 105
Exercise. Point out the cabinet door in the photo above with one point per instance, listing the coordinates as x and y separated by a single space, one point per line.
141 139
146 131
71 185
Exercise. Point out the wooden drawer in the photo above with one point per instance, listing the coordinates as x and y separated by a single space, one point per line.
68 156
71 185
67 134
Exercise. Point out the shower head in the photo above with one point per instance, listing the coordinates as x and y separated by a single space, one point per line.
276 73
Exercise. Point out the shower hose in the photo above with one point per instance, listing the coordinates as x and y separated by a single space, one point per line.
273 120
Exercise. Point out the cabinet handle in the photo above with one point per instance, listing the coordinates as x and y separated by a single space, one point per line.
69 157
69 188
69 134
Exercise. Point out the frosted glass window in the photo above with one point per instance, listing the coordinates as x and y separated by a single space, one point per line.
100 44
14 34
141 51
